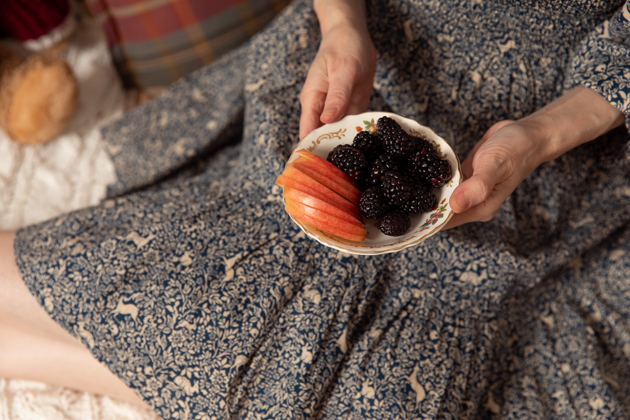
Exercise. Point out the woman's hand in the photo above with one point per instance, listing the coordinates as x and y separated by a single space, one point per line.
501 160
340 78
511 150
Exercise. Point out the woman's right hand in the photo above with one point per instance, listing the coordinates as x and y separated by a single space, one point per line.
340 78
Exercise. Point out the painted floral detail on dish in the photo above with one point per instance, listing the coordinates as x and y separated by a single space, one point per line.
433 219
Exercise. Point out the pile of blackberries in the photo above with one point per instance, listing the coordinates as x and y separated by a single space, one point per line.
395 172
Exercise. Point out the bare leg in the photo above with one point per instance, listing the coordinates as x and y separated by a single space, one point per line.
34 347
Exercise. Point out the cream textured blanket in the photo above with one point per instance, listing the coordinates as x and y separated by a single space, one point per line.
40 182
28 400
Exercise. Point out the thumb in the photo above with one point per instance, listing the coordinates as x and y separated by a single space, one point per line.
474 190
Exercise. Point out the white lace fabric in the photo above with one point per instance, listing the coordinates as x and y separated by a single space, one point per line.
29 400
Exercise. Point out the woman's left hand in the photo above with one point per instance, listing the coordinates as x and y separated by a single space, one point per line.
504 157
511 150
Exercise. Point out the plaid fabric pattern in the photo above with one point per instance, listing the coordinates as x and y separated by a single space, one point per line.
155 42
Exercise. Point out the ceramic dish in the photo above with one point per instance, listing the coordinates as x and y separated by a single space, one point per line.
322 140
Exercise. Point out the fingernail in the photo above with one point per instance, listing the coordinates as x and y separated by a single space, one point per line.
329 112
460 203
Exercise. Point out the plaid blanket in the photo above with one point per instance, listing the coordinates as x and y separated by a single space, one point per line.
155 42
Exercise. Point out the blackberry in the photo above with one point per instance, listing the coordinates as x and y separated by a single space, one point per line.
421 200
350 160
428 166
383 164
395 140
395 223
370 144
396 188
386 125
422 144
372 203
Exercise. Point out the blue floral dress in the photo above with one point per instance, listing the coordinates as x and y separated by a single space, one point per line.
192 284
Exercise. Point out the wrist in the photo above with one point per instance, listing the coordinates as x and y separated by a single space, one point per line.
333 14
577 117
544 130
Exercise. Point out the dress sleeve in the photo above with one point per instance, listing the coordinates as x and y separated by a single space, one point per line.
602 61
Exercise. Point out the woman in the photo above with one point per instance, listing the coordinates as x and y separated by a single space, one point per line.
193 287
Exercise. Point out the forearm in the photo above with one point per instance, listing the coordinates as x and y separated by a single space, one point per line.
333 13
575 118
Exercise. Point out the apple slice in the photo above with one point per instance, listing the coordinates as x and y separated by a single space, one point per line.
330 224
329 167
292 178
323 166
309 168
352 238
314 206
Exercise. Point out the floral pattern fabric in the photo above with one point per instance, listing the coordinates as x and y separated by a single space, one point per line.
192 284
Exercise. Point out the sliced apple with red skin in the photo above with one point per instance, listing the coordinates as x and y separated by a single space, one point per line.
314 206
293 178
353 238
331 171
332 223
327 166
309 168
327 223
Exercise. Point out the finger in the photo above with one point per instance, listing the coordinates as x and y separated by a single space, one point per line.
467 166
360 100
482 212
358 107
475 189
312 107
338 96
467 163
